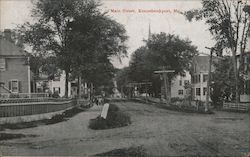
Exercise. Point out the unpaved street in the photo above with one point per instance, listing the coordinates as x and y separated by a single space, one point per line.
160 132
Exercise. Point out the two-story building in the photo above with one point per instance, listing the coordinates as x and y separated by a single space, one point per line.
52 86
199 77
15 75
179 86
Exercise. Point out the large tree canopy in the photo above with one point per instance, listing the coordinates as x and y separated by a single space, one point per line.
77 33
161 51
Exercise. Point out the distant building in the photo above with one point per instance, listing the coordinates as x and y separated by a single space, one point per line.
57 85
15 75
179 86
199 77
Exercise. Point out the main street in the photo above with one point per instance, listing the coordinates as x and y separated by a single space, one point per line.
158 131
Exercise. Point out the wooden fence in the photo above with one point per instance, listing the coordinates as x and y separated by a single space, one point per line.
23 95
233 106
33 108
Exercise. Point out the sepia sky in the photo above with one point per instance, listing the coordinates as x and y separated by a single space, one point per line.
165 18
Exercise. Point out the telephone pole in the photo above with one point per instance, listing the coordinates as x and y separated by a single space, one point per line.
209 78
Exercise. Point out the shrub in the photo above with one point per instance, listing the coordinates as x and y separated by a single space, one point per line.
175 99
55 119
14 96
115 118
56 94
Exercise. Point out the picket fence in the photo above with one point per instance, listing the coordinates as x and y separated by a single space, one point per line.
34 106
233 106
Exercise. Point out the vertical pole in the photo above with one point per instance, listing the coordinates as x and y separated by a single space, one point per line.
80 86
208 81
165 85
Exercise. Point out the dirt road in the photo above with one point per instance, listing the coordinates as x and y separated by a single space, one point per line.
160 132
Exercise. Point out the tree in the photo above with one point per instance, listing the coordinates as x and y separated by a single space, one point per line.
222 81
76 33
122 79
161 50
172 52
98 39
49 34
229 23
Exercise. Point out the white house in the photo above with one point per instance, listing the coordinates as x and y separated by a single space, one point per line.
199 77
178 85
58 85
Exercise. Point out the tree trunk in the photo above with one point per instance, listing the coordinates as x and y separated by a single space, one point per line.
236 75
66 84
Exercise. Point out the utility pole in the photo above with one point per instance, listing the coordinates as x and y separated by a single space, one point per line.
209 78
165 81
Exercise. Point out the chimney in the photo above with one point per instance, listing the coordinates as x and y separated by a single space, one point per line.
7 34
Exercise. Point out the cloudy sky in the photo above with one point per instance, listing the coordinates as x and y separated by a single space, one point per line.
165 18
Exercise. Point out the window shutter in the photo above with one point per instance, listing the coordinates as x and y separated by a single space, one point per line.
19 87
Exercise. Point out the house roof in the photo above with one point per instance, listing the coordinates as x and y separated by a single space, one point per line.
202 62
8 48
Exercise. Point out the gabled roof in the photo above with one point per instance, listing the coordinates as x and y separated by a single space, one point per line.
8 48
202 62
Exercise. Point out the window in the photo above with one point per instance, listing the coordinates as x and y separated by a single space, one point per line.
180 92
205 77
14 86
196 78
204 91
2 64
57 89
198 91
195 68
180 82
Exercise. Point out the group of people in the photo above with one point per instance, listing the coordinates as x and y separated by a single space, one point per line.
98 100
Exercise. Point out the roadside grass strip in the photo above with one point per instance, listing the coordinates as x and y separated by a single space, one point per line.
8 136
182 108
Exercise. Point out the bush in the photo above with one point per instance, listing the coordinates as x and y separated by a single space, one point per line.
115 118
56 94
14 96
55 119
175 99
